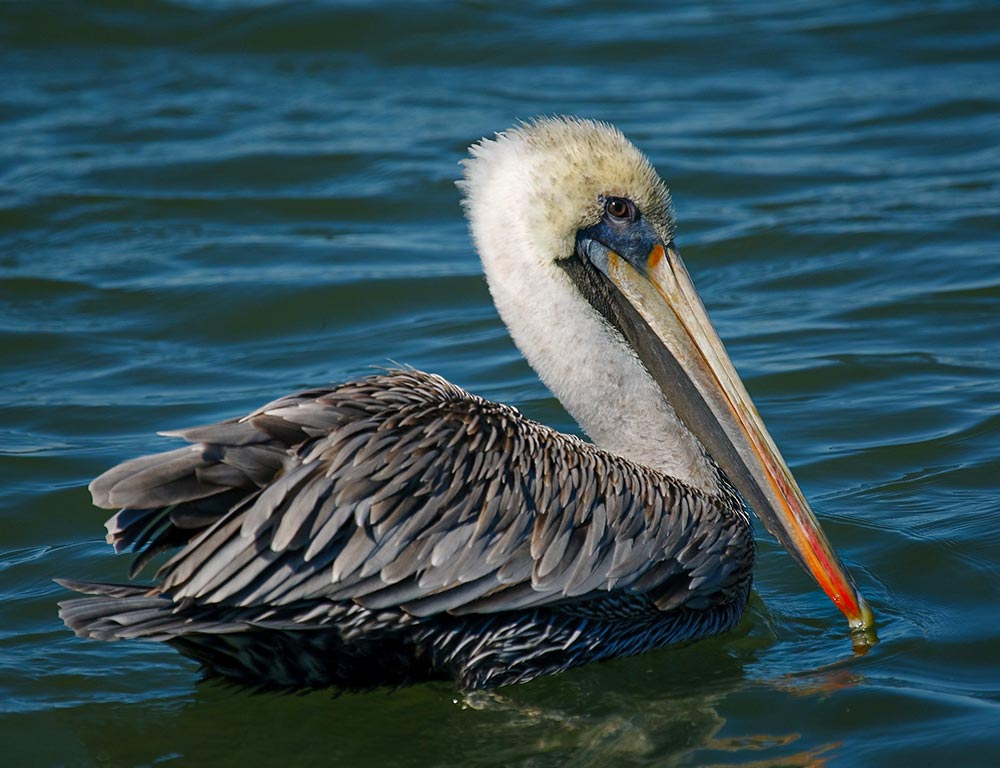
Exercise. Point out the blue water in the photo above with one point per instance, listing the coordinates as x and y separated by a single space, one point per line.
206 205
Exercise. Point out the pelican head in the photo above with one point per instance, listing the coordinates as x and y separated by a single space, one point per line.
576 234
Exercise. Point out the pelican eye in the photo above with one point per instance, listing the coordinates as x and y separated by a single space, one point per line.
620 210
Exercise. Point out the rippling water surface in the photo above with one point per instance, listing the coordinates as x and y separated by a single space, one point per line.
204 205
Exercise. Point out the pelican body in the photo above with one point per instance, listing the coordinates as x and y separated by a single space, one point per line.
398 529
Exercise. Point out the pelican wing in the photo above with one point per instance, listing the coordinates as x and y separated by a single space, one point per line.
402 491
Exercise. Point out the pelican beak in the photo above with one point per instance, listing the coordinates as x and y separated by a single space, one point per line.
666 322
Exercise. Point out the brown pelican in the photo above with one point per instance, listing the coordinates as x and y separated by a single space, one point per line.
397 528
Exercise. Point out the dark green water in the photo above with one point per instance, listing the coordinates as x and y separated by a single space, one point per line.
205 205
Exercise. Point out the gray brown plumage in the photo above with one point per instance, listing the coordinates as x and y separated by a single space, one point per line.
404 529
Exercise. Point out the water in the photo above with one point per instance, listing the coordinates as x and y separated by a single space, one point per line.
205 205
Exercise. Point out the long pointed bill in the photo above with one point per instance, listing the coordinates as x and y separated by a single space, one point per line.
690 363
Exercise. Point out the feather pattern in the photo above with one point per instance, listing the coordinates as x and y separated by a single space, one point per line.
401 511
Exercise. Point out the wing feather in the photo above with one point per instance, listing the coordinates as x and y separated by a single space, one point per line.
403 492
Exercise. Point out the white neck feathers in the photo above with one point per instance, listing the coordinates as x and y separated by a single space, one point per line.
522 225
